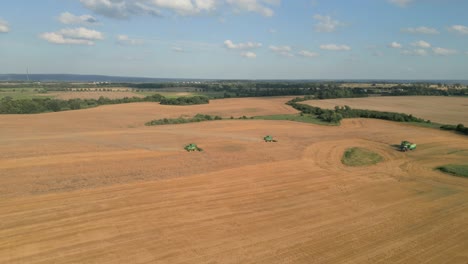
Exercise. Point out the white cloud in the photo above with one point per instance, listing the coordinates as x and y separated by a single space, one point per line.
4 27
326 23
335 47
272 31
249 55
125 40
420 30
68 18
178 49
258 6
401 3
122 9
186 7
81 33
443 51
422 44
308 54
241 46
58 38
282 50
415 52
78 36
459 29
395 45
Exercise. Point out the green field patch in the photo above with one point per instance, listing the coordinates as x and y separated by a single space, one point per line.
455 170
16 94
356 157
168 94
304 118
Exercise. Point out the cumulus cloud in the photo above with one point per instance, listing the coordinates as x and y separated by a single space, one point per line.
443 51
282 50
78 36
395 45
420 30
186 7
70 19
326 23
4 27
307 54
241 46
125 40
57 38
460 29
422 44
122 9
249 55
335 47
415 52
258 6
400 3
82 33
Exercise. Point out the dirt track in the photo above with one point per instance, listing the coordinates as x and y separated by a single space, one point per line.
444 110
95 186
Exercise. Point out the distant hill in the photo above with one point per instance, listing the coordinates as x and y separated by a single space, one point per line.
84 78
123 79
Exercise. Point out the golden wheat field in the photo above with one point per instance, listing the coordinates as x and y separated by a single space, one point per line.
97 186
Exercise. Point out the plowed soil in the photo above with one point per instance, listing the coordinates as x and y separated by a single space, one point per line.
97 186
439 109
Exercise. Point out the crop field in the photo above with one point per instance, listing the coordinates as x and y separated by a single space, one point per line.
444 110
98 186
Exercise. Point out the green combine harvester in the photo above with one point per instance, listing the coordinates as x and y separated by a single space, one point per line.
406 145
269 139
192 147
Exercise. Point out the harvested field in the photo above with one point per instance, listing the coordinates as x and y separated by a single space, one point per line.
93 95
97 186
445 110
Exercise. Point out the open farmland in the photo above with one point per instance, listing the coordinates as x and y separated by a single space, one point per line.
97 186
93 95
444 110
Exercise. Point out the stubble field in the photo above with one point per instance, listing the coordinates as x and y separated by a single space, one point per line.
97 186
439 109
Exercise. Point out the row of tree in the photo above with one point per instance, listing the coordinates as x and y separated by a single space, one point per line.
41 105
181 120
193 100
459 128
339 113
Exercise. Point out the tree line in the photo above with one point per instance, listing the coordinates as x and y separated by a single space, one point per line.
9 105
193 100
181 120
337 114
459 128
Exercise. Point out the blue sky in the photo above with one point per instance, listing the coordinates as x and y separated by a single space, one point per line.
241 39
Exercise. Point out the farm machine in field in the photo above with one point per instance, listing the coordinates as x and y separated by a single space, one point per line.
406 145
269 139
192 147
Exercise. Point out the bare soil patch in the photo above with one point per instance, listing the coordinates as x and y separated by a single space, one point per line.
97 186
445 110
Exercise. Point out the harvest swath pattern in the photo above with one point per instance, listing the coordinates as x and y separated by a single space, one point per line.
97 186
